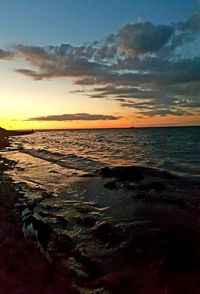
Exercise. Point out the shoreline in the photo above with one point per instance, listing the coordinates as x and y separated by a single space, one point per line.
23 268
158 252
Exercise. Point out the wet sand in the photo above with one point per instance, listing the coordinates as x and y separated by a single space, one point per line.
135 231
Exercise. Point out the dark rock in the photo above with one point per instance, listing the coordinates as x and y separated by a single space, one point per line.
62 220
62 243
4 142
89 175
47 206
83 209
111 185
44 214
124 173
88 221
19 168
157 186
105 172
92 266
106 232
46 194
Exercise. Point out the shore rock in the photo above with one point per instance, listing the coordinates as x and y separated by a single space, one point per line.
62 220
61 243
157 186
88 221
106 232
123 173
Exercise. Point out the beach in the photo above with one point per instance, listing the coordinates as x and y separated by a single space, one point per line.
119 229
100 147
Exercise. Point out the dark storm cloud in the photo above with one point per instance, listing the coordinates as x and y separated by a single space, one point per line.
73 117
144 66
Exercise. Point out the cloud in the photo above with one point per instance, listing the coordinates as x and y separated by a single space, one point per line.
29 73
164 112
5 55
192 23
150 68
73 117
143 37
63 61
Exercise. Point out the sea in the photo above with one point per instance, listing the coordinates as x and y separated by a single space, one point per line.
55 168
174 149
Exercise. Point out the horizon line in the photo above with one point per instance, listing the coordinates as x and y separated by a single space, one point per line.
109 128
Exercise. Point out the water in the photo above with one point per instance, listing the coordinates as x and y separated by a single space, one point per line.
175 149
49 166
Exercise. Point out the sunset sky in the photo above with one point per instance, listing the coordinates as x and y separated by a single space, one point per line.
99 63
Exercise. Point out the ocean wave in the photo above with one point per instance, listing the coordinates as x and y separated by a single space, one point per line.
179 167
65 160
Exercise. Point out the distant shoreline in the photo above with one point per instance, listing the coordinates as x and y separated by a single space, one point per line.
125 128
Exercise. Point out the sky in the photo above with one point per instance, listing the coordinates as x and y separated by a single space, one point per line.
99 63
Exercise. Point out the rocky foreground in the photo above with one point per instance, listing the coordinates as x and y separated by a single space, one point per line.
158 253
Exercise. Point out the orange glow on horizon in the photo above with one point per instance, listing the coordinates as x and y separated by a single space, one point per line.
24 98
120 123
